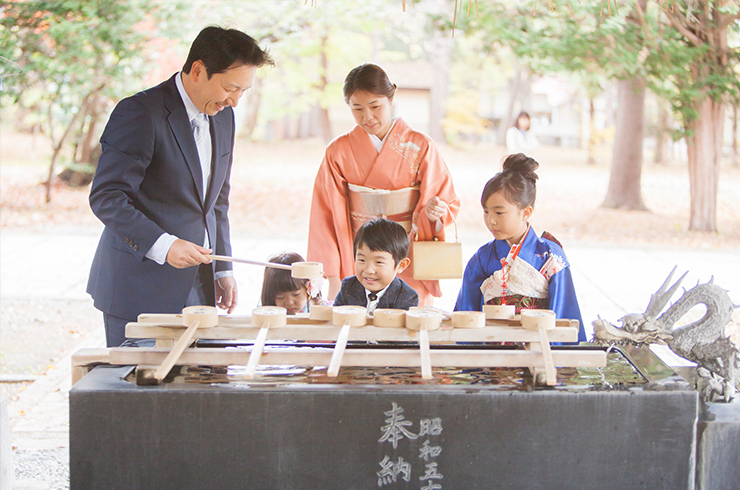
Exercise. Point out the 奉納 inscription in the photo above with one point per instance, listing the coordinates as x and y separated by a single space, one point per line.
396 468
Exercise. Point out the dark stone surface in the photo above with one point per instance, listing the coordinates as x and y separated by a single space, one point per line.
324 437
718 452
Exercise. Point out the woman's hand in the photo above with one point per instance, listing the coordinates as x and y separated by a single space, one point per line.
435 209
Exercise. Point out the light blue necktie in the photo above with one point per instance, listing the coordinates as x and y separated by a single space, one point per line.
201 132
202 135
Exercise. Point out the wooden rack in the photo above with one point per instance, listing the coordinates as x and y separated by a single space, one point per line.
166 329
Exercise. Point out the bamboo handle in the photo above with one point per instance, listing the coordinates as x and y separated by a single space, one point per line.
550 373
257 348
177 350
336 356
426 355
224 258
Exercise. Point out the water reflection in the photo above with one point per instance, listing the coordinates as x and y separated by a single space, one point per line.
619 373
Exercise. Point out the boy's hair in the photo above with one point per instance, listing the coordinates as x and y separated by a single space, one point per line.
278 281
383 235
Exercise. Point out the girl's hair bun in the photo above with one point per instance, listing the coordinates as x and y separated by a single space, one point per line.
517 180
522 164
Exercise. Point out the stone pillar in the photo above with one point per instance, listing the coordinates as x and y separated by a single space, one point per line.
718 458
6 450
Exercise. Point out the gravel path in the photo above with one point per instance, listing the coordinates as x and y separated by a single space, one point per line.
44 468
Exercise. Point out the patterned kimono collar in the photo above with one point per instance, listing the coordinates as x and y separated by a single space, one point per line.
524 249
397 162
515 248
377 142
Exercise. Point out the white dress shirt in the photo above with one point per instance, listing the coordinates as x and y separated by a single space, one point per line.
372 304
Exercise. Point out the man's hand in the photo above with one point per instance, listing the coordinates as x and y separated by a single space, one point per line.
187 254
226 297
435 209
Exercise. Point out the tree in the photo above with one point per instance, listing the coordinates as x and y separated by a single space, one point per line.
315 46
76 56
678 50
624 191
703 80
625 178
596 48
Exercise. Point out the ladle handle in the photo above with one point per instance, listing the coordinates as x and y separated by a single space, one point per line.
336 356
550 372
225 258
257 348
185 339
426 355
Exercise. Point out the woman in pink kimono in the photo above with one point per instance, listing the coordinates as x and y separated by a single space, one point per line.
380 168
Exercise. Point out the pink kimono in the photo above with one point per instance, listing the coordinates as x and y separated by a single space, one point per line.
408 159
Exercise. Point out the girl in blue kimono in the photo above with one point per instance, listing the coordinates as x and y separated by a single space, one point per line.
518 267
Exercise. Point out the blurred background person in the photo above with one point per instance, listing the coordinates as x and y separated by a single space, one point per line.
519 137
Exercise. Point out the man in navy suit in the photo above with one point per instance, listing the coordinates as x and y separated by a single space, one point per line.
162 187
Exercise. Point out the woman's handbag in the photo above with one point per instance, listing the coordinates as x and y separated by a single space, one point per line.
432 260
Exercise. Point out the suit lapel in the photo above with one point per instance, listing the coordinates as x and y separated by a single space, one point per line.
357 293
391 294
180 126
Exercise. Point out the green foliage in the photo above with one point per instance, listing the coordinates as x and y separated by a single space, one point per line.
73 51
474 79
346 32
583 39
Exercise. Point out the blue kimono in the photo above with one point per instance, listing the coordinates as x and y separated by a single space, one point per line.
544 279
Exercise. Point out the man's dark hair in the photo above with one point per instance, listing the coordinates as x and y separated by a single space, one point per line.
383 235
219 49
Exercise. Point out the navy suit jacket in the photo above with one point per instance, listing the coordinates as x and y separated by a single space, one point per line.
149 181
398 295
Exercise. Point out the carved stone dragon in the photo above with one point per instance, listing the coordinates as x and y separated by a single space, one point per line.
704 341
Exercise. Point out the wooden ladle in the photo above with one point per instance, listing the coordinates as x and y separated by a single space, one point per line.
266 317
299 270
194 317
423 320
348 317
542 321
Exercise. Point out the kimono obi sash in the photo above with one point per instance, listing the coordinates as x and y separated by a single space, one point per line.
366 203
518 283
520 278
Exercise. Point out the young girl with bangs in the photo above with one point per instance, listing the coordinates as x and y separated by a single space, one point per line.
279 288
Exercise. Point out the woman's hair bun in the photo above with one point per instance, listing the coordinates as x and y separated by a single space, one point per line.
522 164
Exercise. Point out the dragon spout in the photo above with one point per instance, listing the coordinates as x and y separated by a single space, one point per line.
704 341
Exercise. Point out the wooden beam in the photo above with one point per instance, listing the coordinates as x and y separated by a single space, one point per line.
327 332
